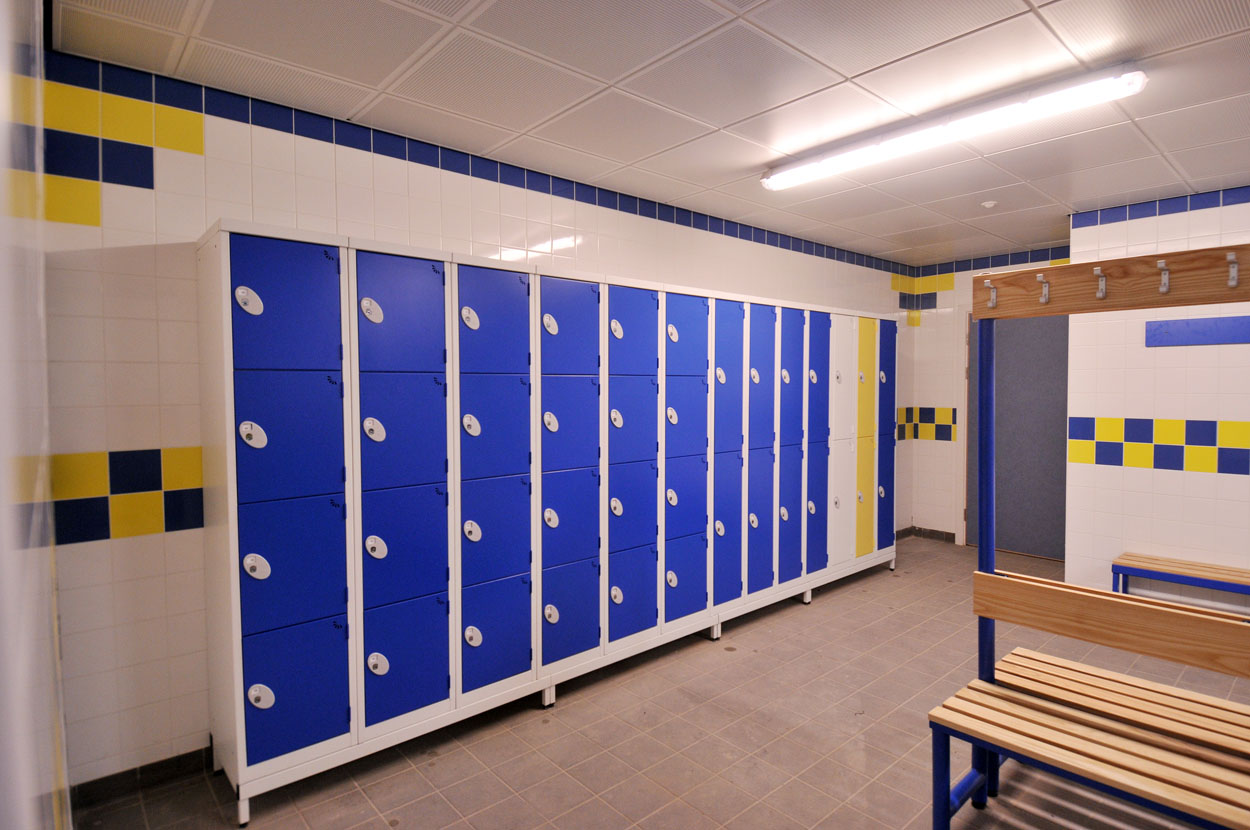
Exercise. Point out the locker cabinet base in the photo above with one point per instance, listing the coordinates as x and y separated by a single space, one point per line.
806 596
245 812
893 560
549 697
713 633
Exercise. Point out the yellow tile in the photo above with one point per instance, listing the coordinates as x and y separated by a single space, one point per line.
23 195
1109 429
1139 455
182 468
954 432
913 317
80 475
126 119
902 415
945 282
25 108
944 415
1234 434
136 514
896 282
71 108
1201 459
1081 452
1169 431
179 129
927 432
71 200
926 285
29 478
1063 261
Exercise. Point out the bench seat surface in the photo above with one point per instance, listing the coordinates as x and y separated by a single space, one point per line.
1180 567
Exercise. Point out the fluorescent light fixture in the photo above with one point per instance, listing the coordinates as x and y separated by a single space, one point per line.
961 125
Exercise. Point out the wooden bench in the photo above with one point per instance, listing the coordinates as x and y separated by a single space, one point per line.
1216 577
1182 753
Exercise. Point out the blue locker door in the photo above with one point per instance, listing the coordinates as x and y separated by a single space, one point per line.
685 496
817 506
790 515
570 422
632 601
301 543
727 527
494 320
792 381
763 348
632 430
886 413
400 313
632 517
296 287
728 374
885 491
298 450
411 445
305 668
633 317
570 516
759 520
685 415
685 578
818 327
406 657
497 409
403 543
500 614
685 335
570 609
570 327
495 527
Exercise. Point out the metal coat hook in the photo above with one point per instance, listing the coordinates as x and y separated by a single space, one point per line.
1232 269
1164 274
1045 288
1101 294
993 294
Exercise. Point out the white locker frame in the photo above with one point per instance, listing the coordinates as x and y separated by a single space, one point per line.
221 530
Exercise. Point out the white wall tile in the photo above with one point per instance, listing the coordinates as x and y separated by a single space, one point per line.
273 149
228 140
178 172
132 427
314 158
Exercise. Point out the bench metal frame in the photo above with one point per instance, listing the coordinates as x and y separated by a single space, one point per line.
1121 573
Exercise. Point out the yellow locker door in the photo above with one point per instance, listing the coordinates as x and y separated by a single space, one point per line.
866 432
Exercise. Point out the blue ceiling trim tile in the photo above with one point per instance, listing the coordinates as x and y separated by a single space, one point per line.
745 231
483 168
648 208
562 187
389 144
1000 260
311 125
1202 201
227 105
606 198
730 229
1177 204
627 204
1040 255
715 224
537 182
683 217
963 265
273 116
1111 215
418 151
128 164
584 193
666 213
928 270
760 235
699 221
945 268
1236 196
453 160
773 238
1061 252
180 94
348 134
1141 210
809 247
71 70
1085 219
131 83
511 175
980 262
1019 257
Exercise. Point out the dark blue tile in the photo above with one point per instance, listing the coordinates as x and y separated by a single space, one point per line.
1061 252
928 415
954 415
942 432
562 188
682 217
928 270
1000 260
1111 215
389 144
1040 255
348 134
1233 461
1202 201
666 213
180 94
928 300
1139 430
184 509
453 160
1177 204
227 105
730 229
759 235
1081 429
1200 433
265 114
606 198
537 182
80 520
945 268
909 414
859 259
809 247
1236 196
118 80
129 164
22 147
745 231
980 262
311 125
820 249
1085 219
511 175
71 154
1019 257
1109 453
962 265
421 152
482 168
134 471
584 193
648 208
1169 457
715 224
1141 210
699 221
841 255
71 69
628 204
904 301
902 432
915 431
773 238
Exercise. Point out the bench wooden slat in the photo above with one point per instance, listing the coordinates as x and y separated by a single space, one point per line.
1199 610
1202 570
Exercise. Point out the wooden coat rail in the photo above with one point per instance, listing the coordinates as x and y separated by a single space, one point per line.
1201 277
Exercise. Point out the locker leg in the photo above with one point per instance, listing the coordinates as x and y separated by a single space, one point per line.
806 599
549 697
713 633
893 560
245 812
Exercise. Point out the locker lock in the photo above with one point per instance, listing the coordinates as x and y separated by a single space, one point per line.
551 518
472 532
755 375
670 496
374 429
720 528
376 546
881 492
550 324
861 377
551 614
883 377
671 579
617 330
256 566
260 696
551 422
248 300
617 419
859 494
837 502
473 636
720 375
785 375
672 332
617 595
837 376
785 514
672 415
253 435
616 507
370 308
753 520
469 316
378 664
471 425
811 375
811 507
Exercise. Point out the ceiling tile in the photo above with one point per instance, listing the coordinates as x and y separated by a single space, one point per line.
1222 159
491 82
604 38
646 184
620 126
1075 152
370 39
715 203
1006 55
1009 198
428 124
1091 118
1026 227
113 40
871 245
1193 76
780 221
820 118
712 160
952 232
951 180
839 206
1106 29
894 221
450 9
848 36
1204 124
544 156
1112 184
729 75
749 188
168 14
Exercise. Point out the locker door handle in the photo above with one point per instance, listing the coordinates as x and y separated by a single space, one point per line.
253 435
550 324
753 520
672 415
470 318
473 636
618 331
618 420
471 425
617 595
551 518
256 566
785 514
374 429
671 496
720 375
376 546
370 308
811 507
811 375
378 664
785 375
260 696
472 531
551 422
551 614
755 375
671 579
720 528
249 300
672 332
616 507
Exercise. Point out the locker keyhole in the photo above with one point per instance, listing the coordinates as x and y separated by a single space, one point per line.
260 696
616 507
551 614
374 429
370 308
837 376
755 375
671 579
618 331
883 377
672 415
248 300
672 332
811 375
785 375
618 420
720 528
753 520
881 492
785 514
378 664
551 518
861 377
671 496
551 422
836 502
550 324
471 425
720 375
859 494
472 531
256 566
473 636
470 318
617 595
253 435
811 507
376 547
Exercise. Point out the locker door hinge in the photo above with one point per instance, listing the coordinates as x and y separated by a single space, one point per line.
445 463
530 455
531 656
349 714
344 476
448 682
347 631
344 595
447 576
444 363
340 351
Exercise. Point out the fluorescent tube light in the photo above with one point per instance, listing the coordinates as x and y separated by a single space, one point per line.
960 126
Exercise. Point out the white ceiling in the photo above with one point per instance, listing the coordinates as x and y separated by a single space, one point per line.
689 101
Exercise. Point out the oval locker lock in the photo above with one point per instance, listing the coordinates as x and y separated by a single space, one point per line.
551 422
785 515
755 375
618 331
785 375
616 507
859 494
550 324
471 425
861 377
672 332
672 415
472 531
837 376
376 546
378 664
617 595
671 579
811 507
551 518
720 375
551 614
470 318
811 375
883 377
670 495
370 308
374 429
837 502
257 566
249 300
617 419
473 636
753 520
719 527
881 492
253 435
260 696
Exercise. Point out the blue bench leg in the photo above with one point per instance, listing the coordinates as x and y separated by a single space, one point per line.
981 764
941 780
991 776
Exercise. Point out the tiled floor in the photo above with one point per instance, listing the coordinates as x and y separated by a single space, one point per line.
800 716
